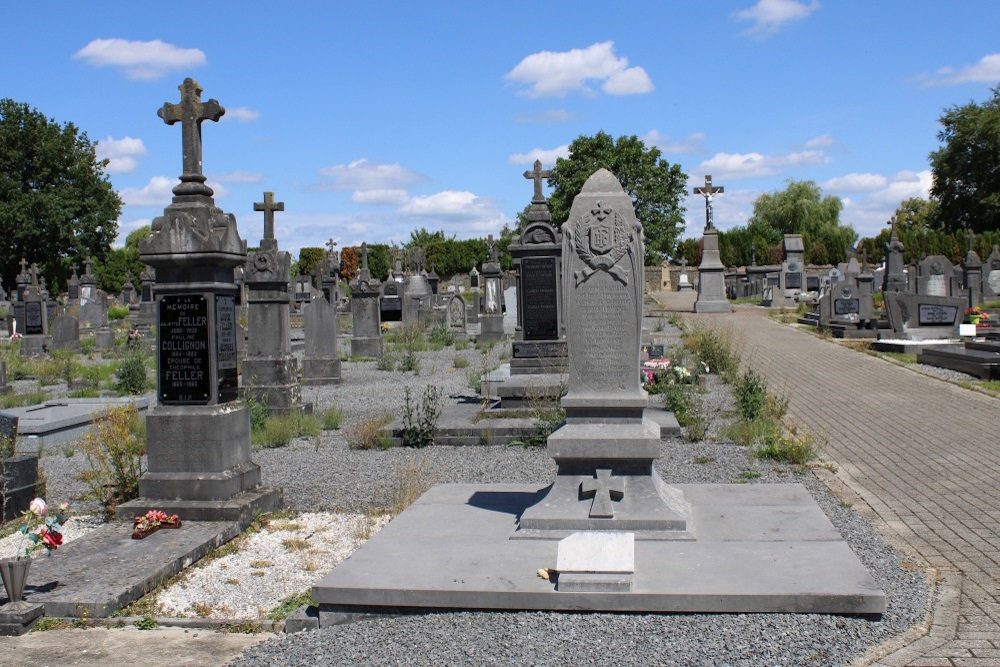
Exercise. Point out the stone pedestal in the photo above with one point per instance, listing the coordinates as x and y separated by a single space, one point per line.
711 278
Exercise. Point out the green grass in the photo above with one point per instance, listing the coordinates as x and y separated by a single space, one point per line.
460 362
289 605
331 418
279 431
902 357
14 400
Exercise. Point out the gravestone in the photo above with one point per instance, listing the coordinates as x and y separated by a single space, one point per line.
35 339
991 276
198 434
391 306
18 473
457 318
22 280
935 276
269 369
491 317
474 279
4 387
366 332
606 448
73 287
417 299
972 274
711 271
321 361
65 331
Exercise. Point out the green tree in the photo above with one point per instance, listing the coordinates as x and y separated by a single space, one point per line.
967 167
56 203
114 268
655 186
309 259
801 208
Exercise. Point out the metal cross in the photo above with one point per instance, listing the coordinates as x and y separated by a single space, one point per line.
269 206
709 192
605 488
191 112
537 175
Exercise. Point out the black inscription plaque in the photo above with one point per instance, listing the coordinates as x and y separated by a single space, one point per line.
654 351
812 283
185 358
793 280
931 314
225 337
17 308
74 291
846 306
33 318
541 307
772 281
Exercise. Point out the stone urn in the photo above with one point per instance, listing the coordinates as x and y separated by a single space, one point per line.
15 574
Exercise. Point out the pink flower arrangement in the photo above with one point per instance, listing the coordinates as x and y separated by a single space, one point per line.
40 528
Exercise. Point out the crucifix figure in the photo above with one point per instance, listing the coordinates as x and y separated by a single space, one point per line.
191 112
709 192
537 175
492 247
268 206
605 488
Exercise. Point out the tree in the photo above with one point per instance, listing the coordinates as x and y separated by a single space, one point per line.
655 186
56 203
967 168
113 269
309 259
801 208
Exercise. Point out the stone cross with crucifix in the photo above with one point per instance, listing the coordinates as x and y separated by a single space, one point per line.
492 247
364 255
268 206
537 175
191 112
709 192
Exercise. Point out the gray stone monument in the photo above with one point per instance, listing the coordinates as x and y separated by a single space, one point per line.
457 316
366 334
35 339
894 278
199 463
491 317
606 448
65 331
991 276
269 369
711 271
321 361
972 268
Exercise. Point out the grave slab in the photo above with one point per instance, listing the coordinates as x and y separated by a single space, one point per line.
106 570
63 420
759 548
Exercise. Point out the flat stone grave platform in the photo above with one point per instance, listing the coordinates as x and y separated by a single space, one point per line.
106 570
983 363
62 420
461 424
757 548
912 346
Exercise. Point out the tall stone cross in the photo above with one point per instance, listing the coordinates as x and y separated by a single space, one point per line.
364 255
24 265
492 246
709 192
34 273
191 112
268 206
971 235
86 266
537 175
73 267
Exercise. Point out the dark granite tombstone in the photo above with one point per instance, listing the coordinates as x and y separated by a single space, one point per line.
391 306
199 456
366 333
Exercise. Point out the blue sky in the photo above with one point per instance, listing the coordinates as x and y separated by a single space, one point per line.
370 119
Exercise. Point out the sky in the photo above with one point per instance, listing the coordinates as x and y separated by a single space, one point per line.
371 119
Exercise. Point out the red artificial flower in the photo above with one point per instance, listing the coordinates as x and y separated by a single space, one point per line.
51 539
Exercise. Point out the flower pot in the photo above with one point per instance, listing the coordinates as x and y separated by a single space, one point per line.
974 319
15 575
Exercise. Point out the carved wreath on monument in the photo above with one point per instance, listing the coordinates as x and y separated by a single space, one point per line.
602 240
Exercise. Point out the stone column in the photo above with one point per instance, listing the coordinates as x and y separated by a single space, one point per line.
199 463
491 315
711 278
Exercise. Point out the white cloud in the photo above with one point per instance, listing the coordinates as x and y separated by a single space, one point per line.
144 61
558 73
155 193
770 16
729 209
754 165
869 214
241 114
821 141
856 183
547 156
380 197
121 153
689 145
462 213
547 116
126 228
239 176
987 70
364 175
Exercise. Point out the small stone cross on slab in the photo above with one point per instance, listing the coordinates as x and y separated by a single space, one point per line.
268 206
537 175
24 265
709 192
604 488
191 112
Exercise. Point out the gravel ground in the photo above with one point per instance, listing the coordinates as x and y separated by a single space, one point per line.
325 474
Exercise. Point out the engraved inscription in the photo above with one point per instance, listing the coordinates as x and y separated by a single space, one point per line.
33 318
936 286
183 350
934 314
605 324
541 314
793 280
846 306
225 329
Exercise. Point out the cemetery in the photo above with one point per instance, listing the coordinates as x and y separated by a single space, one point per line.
354 463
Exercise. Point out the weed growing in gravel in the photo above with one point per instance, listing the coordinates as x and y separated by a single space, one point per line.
794 444
255 404
146 623
48 623
130 378
368 433
703 459
331 418
114 446
410 481
15 400
750 474
386 361
296 544
279 431
419 422
287 606
716 347
460 362
441 337
750 392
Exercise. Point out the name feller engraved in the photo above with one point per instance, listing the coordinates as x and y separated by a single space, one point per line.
540 301
184 354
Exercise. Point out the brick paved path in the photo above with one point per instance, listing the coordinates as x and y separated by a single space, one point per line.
922 452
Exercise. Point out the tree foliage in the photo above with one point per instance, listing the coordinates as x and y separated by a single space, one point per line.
967 167
56 203
309 259
656 187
